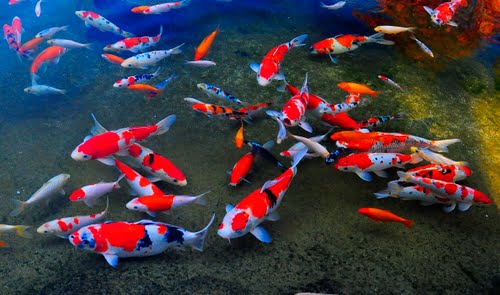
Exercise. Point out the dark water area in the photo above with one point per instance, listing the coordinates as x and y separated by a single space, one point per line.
321 243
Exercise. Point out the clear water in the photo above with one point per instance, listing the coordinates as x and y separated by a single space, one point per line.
321 243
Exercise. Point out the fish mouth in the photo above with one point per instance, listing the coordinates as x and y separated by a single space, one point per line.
313 51
263 81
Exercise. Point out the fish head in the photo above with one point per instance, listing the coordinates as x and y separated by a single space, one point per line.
364 211
136 205
78 153
45 229
289 121
322 47
51 41
29 90
234 225
266 73
84 238
128 63
377 29
80 14
141 9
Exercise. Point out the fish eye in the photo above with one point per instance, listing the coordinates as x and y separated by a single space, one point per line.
85 156
45 231
135 207
175 180
72 237
269 79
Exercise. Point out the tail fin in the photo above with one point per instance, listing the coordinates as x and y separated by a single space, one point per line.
199 240
297 41
165 124
176 50
377 38
62 91
21 230
442 145
117 185
201 200
20 207
64 28
161 86
304 88
408 223
393 190
412 29
403 176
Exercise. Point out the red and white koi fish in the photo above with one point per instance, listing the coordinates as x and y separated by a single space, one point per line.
160 8
20 230
151 58
17 28
101 146
384 142
11 37
69 44
345 43
12 2
448 173
38 8
43 194
102 24
140 185
443 14
465 195
112 58
135 44
390 82
64 226
162 203
89 194
139 239
436 158
257 207
415 193
293 112
364 163
48 33
131 80
269 68
51 54
384 216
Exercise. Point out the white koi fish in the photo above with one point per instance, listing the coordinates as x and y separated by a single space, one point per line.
148 59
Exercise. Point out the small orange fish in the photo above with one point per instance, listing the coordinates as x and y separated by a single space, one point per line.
384 216
202 50
30 46
144 87
112 58
239 139
355 88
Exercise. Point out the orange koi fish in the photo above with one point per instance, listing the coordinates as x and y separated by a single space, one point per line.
30 46
239 139
112 58
356 88
384 216
51 54
202 50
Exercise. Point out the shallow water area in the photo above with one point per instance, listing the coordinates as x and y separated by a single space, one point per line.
321 243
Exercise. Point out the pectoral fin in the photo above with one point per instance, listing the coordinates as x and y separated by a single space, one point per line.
229 207
366 176
274 216
261 234
111 259
255 67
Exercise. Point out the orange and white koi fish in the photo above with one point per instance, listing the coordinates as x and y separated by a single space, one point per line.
17 28
161 203
416 193
64 226
139 239
50 32
345 43
257 207
466 196
269 68
20 230
384 216
102 24
246 113
135 44
364 163
384 142
394 29
448 173
211 109
51 54
38 8
43 194
151 58
160 8
101 146
239 138
202 50
89 194
443 14
356 88
113 58
390 82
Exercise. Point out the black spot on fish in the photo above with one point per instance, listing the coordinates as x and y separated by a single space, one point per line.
271 197
144 242
173 234
151 159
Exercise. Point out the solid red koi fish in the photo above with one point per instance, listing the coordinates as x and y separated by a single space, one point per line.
51 54
101 146
135 44
443 14
384 216
139 239
153 204
241 168
269 68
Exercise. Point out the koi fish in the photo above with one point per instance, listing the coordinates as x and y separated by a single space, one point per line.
211 109
364 163
20 230
345 43
384 216
139 184
394 29
258 206
335 6
101 146
143 87
246 113
214 91
373 122
160 8
158 166
139 239
17 28
201 63
390 82
38 8
89 194
448 173
238 139
202 50
415 193
342 120
101 23
151 58
68 43
352 98
135 44
289 153
315 104
443 14
242 167
423 46
384 142
312 145
465 195
112 58
64 226
50 32
10 37
360 89
131 80
12 2
42 89
436 158
152 204
269 68
51 54
43 194
31 46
